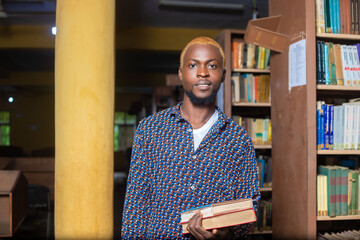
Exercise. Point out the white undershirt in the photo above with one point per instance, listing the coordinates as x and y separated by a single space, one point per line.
200 133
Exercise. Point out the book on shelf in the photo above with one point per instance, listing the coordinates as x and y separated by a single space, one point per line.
250 88
338 127
223 214
264 217
248 55
264 170
348 234
337 64
259 129
338 195
337 16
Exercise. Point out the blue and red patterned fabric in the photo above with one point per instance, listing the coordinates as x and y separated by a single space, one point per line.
167 176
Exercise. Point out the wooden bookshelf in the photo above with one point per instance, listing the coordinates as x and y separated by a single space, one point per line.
250 70
262 146
251 110
243 104
337 88
338 36
293 114
338 152
338 218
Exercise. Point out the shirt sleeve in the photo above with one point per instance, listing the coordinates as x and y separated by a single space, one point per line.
248 186
135 213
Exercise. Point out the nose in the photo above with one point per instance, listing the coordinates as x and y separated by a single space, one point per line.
202 72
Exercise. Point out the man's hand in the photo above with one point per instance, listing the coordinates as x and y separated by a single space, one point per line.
200 233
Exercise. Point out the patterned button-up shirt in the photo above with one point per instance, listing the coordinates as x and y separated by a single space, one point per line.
167 176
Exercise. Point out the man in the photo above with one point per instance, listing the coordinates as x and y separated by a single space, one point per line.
188 156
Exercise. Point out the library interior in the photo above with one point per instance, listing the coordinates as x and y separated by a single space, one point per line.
78 76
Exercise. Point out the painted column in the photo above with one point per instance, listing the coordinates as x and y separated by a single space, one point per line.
84 113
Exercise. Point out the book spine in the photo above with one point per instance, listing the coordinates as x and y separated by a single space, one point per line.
352 16
337 12
352 126
322 63
327 65
345 65
331 127
326 126
356 12
346 126
344 190
356 65
318 62
319 126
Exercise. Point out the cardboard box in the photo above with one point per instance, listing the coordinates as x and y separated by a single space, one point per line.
263 32
13 201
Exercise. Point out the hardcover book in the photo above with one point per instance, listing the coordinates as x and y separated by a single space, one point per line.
223 214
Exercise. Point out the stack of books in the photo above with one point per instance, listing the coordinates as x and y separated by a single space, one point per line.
337 191
338 127
337 64
248 55
223 214
250 88
337 16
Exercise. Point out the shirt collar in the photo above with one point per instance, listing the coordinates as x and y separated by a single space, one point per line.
222 120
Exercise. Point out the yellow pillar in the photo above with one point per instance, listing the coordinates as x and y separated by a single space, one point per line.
84 113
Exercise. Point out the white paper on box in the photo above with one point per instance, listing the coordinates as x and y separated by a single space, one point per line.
297 64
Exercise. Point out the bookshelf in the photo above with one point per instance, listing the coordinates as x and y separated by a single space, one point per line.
244 109
293 115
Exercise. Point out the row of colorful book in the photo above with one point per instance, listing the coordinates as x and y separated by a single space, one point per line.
250 88
338 127
248 55
337 64
337 16
348 235
264 217
259 129
337 191
264 169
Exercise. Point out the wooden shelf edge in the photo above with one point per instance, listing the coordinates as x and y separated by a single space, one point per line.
268 189
260 232
262 146
338 152
338 218
251 70
242 104
337 87
338 36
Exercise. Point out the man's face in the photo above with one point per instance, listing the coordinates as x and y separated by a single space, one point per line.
202 73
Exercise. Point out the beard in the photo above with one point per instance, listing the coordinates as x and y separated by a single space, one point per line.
201 101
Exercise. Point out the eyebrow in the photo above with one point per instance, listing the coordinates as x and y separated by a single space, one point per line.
196 60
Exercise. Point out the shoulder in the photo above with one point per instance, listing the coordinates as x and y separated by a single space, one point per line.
156 120
237 134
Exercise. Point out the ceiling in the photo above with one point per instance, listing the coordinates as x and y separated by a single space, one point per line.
129 13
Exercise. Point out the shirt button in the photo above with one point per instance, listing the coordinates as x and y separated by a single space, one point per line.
192 187
194 157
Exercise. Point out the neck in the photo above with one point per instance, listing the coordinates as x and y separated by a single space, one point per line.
196 115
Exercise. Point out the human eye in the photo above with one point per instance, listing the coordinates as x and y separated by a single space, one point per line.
192 65
212 65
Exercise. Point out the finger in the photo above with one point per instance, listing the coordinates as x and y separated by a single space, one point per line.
202 231
193 224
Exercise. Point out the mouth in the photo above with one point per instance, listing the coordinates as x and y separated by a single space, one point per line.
203 85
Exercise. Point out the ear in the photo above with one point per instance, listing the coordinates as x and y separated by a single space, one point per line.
223 76
180 74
